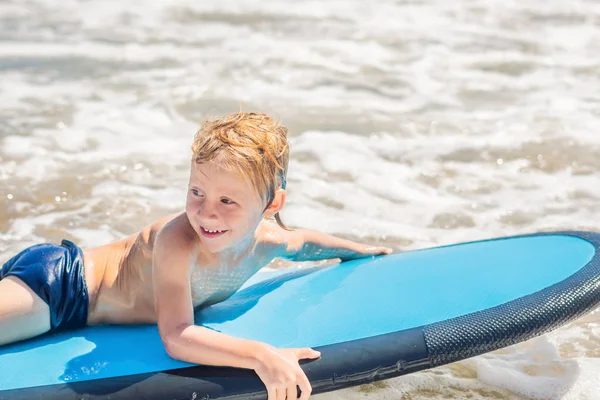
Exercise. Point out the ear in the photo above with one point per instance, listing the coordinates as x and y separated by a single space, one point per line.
277 203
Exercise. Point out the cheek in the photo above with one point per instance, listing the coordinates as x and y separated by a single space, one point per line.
192 203
189 205
190 212
241 218
232 214
252 220
188 200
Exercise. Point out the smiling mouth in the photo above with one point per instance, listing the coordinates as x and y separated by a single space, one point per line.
212 233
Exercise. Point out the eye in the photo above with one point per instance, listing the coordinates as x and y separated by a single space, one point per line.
195 192
227 201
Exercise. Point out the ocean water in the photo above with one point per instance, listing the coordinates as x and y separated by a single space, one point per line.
413 124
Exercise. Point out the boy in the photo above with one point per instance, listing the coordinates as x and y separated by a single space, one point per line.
193 259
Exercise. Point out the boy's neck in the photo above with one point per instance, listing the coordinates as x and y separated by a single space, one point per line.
232 255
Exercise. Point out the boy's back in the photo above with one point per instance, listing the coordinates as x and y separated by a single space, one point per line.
120 280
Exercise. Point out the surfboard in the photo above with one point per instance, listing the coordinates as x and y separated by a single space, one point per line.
372 319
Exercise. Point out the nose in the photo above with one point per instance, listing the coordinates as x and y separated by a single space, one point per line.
207 210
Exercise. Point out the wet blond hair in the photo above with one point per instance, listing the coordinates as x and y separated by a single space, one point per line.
252 145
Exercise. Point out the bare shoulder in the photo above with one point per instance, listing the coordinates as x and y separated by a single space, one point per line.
157 225
174 232
278 242
175 245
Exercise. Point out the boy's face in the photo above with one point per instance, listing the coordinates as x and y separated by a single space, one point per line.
223 208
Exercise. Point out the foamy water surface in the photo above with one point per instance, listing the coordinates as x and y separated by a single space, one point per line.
413 124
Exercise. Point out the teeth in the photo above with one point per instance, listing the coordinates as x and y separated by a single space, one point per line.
209 231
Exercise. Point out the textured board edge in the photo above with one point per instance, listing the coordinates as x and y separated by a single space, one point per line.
520 319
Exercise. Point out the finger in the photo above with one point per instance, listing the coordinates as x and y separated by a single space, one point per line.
307 352
271 393
380 250
292 392
371 250
281 393
305 387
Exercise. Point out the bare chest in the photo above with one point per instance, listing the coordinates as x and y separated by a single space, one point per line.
215 284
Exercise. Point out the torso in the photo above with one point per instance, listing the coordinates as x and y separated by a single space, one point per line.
119 278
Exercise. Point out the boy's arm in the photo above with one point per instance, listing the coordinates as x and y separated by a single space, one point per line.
277 368
175 312
310 245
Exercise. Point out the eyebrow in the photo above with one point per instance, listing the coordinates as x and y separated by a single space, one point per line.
229 191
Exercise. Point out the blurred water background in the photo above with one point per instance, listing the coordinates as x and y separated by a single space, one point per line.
414 123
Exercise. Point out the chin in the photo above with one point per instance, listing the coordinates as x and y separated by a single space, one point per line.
214 246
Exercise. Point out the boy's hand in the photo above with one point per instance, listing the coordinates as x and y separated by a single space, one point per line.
358 250
374 250
310 245
280 372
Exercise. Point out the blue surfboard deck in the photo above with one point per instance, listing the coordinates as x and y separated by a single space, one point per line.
372 319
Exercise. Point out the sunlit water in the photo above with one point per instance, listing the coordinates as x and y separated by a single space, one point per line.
413 124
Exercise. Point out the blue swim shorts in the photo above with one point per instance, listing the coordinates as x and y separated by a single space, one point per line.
57 275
